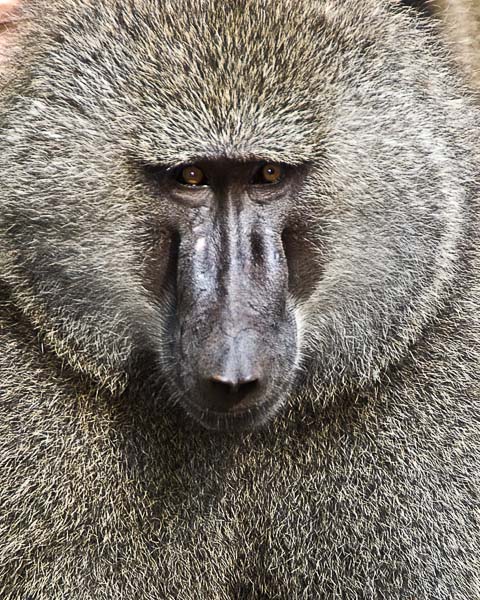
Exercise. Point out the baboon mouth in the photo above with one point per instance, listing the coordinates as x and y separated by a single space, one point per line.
245 419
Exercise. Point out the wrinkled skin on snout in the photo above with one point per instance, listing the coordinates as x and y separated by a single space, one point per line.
231 328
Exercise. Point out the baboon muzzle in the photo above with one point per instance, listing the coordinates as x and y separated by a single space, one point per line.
235 336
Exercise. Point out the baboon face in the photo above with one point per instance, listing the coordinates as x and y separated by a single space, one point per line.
231 328
238 189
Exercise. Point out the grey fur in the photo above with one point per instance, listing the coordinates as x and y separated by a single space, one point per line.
366 486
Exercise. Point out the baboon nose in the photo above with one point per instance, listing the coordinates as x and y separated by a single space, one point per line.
230 393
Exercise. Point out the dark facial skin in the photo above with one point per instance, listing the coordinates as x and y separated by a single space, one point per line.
233 332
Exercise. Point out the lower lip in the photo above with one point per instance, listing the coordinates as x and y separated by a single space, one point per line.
234 416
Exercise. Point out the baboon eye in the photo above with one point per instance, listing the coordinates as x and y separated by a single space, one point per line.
269 173
191 175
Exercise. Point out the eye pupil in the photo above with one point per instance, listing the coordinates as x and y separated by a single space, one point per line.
191 175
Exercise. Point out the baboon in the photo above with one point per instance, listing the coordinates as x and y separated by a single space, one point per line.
239 317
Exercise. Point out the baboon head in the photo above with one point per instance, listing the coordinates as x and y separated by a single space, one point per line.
240 190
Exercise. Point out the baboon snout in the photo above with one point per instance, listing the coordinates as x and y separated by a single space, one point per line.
235 335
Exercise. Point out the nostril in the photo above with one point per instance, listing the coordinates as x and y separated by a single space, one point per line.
226 394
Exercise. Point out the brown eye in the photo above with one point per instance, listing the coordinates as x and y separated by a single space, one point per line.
269 173
191 175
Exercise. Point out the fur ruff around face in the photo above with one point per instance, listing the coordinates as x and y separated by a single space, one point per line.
362 482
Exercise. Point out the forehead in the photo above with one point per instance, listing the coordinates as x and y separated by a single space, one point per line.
237 78
199 78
